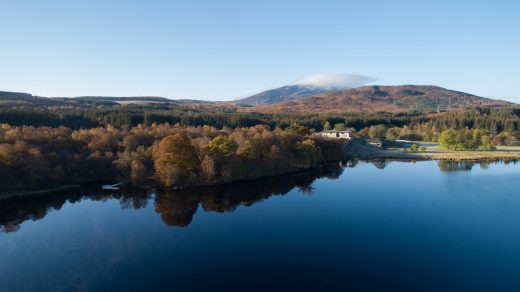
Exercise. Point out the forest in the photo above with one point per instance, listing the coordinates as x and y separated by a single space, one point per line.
161 154
493 120
42 147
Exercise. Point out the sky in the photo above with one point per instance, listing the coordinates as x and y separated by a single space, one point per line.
227 49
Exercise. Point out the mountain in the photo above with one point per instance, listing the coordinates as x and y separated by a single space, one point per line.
289 99
284 93
308 86
382 98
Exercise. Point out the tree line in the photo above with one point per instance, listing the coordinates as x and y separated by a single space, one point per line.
161 154
493 120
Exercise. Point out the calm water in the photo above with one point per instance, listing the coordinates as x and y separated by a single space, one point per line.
392 226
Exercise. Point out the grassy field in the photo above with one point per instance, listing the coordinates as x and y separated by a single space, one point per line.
433 151
358 149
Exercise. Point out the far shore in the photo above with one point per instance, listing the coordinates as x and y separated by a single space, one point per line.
354 150
432 152
42 192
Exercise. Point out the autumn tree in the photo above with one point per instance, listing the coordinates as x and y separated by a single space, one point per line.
307 153
221 147
377 131
298 129
327 126
176 160
209 169
392 133
340 127
448 139
138 173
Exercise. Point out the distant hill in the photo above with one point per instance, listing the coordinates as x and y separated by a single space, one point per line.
8 98
25 99
284 93
382 98
288 99
116 100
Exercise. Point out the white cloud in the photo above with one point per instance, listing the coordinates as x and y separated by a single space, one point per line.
339 81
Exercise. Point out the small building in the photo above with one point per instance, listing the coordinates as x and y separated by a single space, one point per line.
406 142
336 134
375 142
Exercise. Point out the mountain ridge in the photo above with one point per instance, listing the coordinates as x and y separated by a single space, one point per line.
297 99
284 93
376 98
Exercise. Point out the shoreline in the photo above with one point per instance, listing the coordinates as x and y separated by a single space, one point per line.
355 152
433 152
440 156
31 193
213 183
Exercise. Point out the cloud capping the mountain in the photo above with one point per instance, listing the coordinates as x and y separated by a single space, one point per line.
335 81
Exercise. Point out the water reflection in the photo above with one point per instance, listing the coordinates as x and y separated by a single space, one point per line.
13 212
176 208
452 166
380 163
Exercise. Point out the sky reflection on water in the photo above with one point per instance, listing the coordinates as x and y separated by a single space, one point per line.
392 226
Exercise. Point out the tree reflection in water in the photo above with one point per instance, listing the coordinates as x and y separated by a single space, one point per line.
451 166
381 163
14 212
176 208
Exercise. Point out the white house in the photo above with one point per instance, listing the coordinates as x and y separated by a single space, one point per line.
336 134
375 142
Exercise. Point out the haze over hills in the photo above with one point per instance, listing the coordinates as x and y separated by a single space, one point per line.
309 86
8 98
284 93
375 98
20 98
295 98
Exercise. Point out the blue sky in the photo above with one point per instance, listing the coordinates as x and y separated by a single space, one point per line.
227 49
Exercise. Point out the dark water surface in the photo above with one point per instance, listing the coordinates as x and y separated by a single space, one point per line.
374 226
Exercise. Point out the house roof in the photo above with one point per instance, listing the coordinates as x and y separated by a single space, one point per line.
336 131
